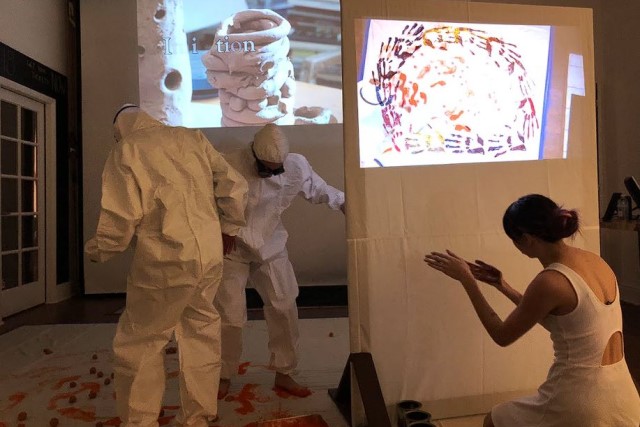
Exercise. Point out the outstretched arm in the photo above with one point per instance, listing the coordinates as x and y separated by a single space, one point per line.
540 298
230 190
511 293
316 190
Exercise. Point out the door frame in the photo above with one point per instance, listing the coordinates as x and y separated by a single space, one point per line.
54 292
31 292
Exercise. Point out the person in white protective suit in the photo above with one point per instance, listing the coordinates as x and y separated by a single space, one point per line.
170 188
275 178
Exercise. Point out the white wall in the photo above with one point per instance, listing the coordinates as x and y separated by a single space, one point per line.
317 243
617 67
109 61
619 132
37 28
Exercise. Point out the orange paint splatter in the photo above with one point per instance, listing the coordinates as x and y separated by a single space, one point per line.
246 395
16 398
164 421
60 396
412 100
92 387
242 369
115 422
281 414
439 83
285 394
61 382
424 71
282 393
304 421
463 127
78 414
454 116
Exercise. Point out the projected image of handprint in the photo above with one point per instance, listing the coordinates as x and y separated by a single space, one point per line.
446 93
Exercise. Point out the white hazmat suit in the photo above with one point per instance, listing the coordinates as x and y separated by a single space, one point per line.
261 255
168 187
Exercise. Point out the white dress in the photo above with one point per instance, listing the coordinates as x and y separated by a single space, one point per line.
579 391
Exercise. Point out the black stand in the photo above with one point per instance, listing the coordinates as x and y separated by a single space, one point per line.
367 381
611 207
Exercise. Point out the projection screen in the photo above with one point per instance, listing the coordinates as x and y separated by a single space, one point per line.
461 107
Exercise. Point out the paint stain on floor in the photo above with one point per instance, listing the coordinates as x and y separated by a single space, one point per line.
242 368
71 385
303 421
246 399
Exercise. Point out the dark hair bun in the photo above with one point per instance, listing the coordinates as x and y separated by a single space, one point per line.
566 224
539 216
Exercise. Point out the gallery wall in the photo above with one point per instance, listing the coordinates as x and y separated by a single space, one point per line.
616 69
317 245
37 29
619 130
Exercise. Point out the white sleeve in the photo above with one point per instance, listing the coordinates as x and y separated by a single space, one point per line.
230 190
121 209
316 190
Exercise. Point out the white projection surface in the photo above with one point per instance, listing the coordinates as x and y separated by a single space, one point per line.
105 88
235 63
459 108
435 93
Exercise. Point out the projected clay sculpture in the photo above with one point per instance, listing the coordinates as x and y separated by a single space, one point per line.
163 61
453 90
249 65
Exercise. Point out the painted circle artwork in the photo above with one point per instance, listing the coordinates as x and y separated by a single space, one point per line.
451 93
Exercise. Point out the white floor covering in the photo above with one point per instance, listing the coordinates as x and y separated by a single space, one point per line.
38 384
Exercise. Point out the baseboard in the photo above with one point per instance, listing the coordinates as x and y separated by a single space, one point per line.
310 296
630 294
470 405
60 292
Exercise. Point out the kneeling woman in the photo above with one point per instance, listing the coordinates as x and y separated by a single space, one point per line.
575 297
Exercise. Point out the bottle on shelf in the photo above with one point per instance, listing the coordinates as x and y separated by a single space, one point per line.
624 208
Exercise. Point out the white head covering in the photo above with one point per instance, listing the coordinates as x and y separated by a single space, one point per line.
271 144
124 120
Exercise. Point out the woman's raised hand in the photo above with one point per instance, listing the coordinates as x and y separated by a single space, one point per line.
450 264
487 273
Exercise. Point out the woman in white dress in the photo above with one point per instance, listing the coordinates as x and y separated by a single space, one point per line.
575 297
